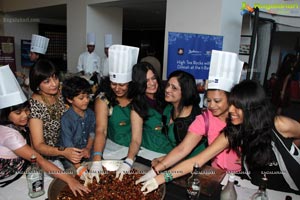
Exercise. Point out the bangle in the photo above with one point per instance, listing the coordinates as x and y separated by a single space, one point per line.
168 176
81 171
130 165
156 172
98 153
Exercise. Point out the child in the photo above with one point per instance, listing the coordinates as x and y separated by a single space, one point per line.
78 122
14 150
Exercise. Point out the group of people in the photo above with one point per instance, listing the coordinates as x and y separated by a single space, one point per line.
133 107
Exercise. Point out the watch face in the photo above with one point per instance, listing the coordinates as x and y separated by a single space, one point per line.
61 148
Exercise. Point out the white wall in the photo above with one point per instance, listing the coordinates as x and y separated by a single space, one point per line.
212 17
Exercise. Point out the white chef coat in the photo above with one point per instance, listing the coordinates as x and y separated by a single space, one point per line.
104 69
88 62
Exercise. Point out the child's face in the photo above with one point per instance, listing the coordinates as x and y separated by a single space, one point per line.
19 117
80 102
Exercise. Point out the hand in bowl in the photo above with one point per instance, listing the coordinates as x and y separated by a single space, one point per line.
95 170
124 168
149 175
149 186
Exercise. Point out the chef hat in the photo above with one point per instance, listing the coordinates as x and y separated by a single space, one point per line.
39 44
225 70
91 39
121 60
11 93
107 40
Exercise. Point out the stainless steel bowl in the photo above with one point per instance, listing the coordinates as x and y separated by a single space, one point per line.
111 165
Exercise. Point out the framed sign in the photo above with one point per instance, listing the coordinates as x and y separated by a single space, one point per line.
7 52
191 52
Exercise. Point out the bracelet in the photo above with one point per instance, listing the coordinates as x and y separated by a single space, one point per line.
81 171
168 176
130 165
156 172
98 153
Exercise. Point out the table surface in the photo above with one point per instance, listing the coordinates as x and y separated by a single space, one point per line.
18 190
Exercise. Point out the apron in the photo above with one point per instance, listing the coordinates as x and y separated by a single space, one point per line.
119 126
153 138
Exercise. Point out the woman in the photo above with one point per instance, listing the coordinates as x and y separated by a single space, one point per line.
112 110
209 125
46 109
264 140
181 92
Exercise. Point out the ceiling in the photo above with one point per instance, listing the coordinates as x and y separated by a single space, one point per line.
137 14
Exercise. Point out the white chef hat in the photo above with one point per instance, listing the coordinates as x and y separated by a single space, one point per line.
39 44
11 93
107 40
121 60
225 70
91 39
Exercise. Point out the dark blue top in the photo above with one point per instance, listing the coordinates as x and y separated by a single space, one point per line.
75 130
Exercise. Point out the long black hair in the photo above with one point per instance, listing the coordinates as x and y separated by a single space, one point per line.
4 113
252 138
139 78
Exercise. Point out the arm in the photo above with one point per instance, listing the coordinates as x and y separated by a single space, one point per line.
179 152
26 152
186 166
101 114
36 131
87 149
136 134
80 63
287 127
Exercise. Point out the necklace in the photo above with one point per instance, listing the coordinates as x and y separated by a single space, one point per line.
53 109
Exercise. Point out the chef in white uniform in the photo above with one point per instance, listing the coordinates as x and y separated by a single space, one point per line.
104 69
89 61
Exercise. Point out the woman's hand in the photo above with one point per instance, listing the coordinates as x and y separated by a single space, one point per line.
73 154
155 161
77 187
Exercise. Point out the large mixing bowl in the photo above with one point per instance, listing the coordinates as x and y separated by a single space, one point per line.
111 165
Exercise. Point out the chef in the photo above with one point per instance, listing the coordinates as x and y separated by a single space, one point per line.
104 69
89 61
38 47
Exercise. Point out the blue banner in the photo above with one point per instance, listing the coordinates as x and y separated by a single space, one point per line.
191 52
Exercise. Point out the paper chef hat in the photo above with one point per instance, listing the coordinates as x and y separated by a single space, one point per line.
91 39
225 70
11 93
107 40
121 60
39 44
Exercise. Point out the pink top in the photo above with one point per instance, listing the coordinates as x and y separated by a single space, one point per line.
11 140
223 160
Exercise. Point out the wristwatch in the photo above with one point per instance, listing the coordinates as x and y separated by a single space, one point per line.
61 148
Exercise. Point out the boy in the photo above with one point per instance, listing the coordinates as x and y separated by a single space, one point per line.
78 122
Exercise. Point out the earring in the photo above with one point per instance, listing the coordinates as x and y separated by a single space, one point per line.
37 88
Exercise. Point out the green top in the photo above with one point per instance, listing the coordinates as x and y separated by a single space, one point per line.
171 133
153 138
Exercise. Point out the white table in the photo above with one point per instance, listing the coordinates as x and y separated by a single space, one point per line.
18 190
245 189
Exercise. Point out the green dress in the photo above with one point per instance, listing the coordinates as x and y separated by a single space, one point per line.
119 126
184 123
153 137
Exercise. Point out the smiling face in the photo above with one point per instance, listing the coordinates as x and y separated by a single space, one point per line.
236 115
217 103
152 84
19 117
50 86
120 89
173 91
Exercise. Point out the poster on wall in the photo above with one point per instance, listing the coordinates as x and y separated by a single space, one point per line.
25 52
191 52
7 52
